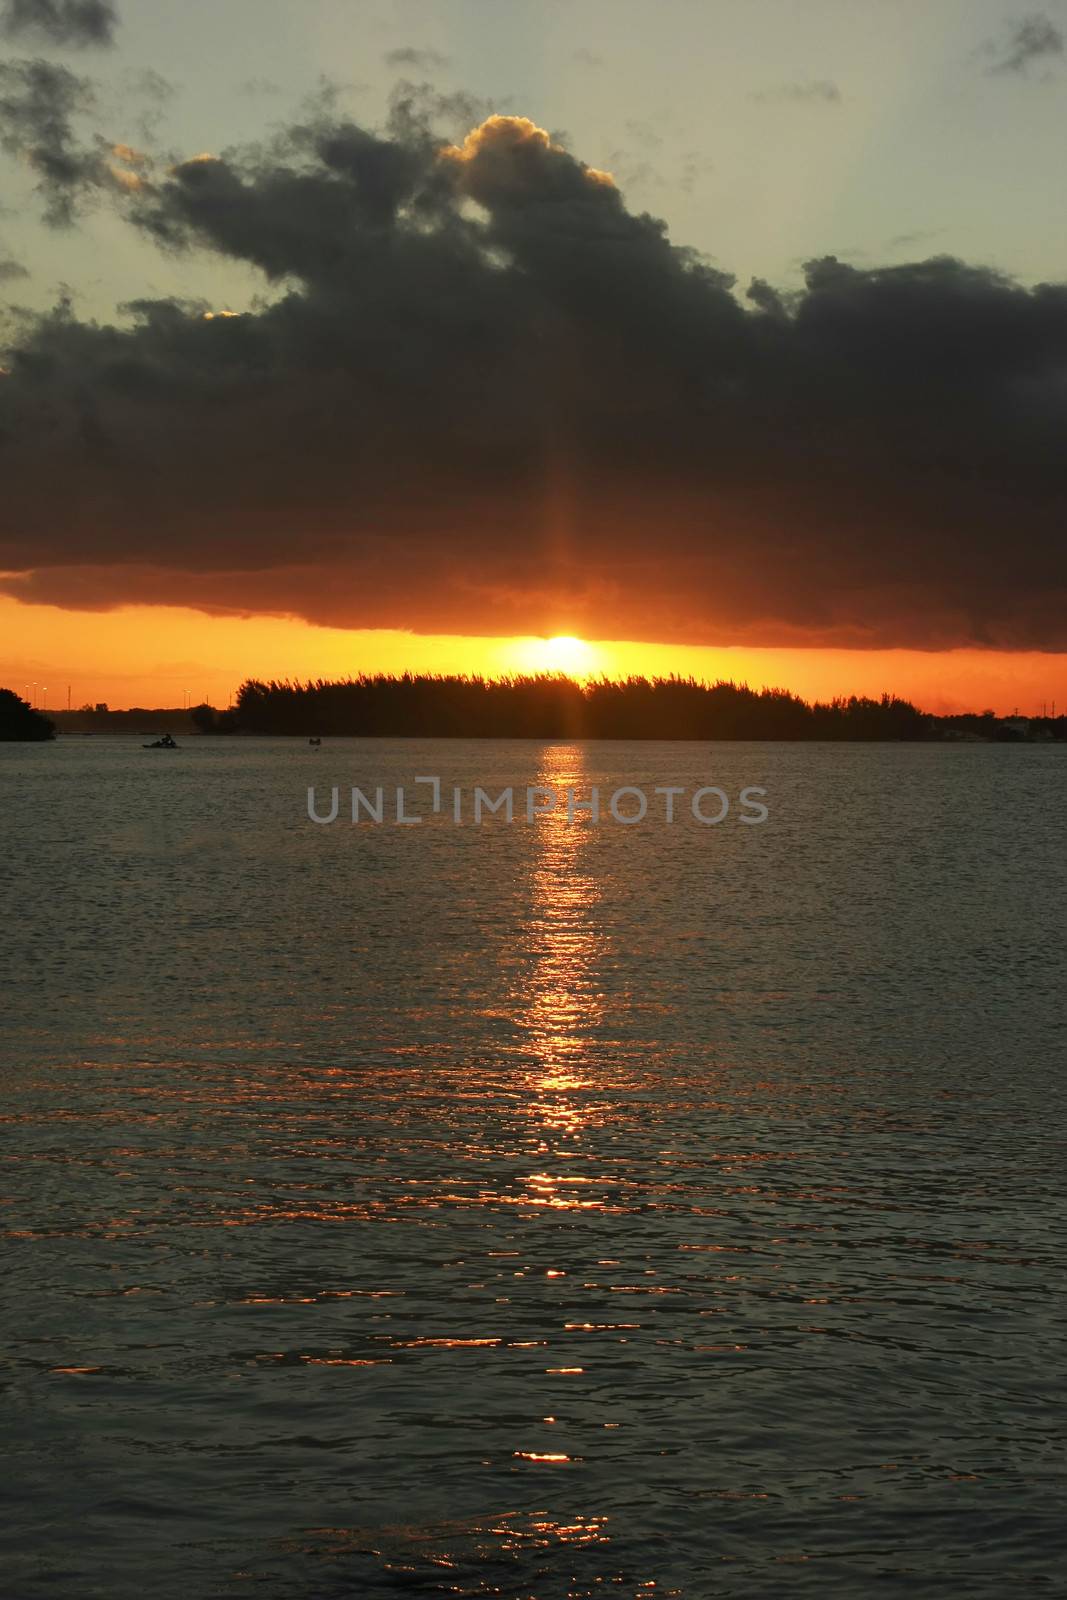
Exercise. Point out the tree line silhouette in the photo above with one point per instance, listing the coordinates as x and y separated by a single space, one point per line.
553 706
535 706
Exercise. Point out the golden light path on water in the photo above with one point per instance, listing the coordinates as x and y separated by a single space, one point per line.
562 1000
556 1005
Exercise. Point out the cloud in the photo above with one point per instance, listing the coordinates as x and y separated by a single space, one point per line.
10 270
419 60
1035 38
909 241
485 396
644 134
818 91
145 84
38 104
76 23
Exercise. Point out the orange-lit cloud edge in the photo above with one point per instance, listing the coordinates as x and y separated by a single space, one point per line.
156 656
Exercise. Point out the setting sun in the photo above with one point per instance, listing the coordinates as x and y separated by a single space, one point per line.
565 653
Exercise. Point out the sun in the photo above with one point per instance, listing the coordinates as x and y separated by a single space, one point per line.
566 654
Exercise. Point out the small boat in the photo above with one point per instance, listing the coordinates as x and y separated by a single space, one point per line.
165 743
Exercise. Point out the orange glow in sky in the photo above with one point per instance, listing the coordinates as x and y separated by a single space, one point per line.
169 656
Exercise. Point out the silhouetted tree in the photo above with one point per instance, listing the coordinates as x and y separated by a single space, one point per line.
18 719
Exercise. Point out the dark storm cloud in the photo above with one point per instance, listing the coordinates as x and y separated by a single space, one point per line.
77 23
1033 39
485 396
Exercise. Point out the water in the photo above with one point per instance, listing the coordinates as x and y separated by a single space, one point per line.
538 1211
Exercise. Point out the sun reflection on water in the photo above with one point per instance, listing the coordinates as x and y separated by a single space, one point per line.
562 1003
471 1558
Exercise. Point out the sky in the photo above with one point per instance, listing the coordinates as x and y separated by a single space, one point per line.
729 337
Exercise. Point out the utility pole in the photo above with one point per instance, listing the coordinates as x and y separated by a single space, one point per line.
68 696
